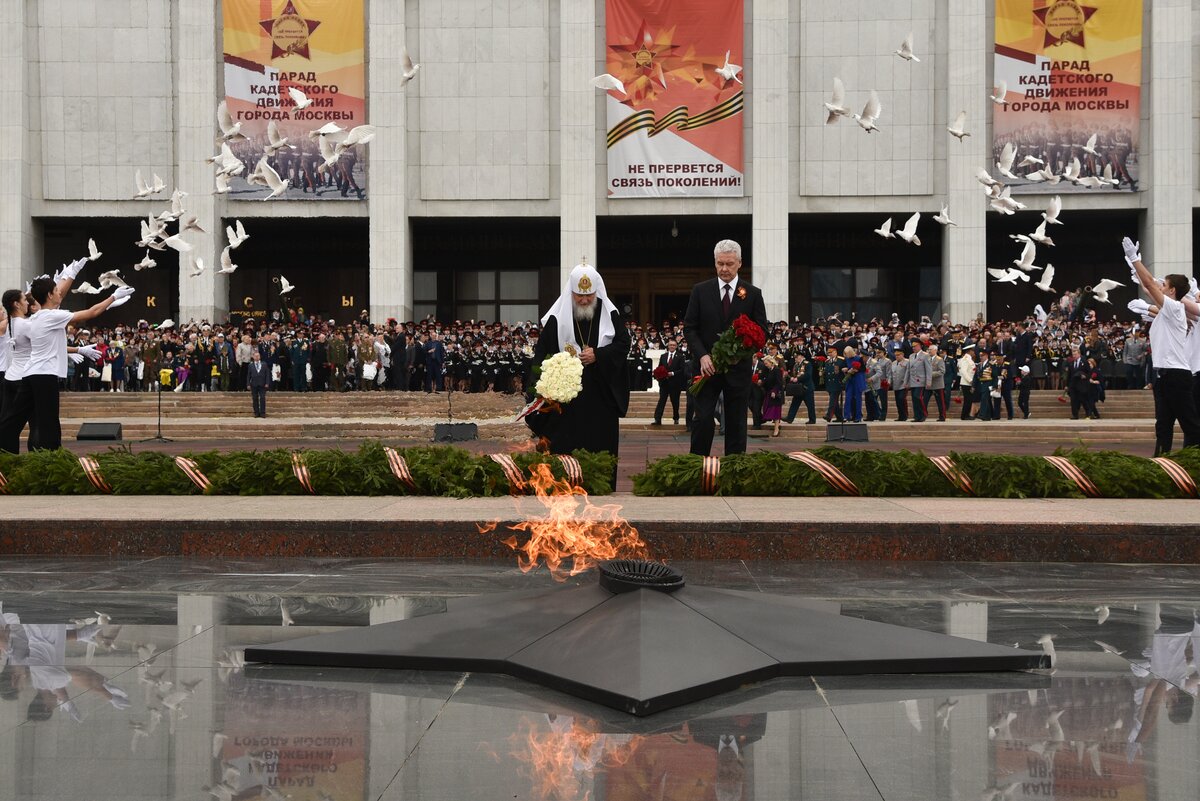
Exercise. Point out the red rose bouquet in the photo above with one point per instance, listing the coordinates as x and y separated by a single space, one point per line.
738 342
660 373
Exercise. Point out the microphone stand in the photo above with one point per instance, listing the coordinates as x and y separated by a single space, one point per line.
158 436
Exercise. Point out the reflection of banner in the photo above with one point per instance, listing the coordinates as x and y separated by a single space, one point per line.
1073 70
677 129
315 46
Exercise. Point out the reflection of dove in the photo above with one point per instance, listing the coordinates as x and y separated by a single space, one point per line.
1000 727
943 712
218 744
1093 752
139 733
912 712
283 612
1101 614
1056 729
1047 643
1112 649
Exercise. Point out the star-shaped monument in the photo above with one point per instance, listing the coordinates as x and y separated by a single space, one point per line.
645 647
289 32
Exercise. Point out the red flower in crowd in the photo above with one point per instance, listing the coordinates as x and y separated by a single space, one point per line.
659 373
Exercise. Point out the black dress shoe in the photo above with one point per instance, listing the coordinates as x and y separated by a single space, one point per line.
657 423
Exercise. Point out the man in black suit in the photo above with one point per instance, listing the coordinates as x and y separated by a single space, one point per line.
258 381
712 308
671 386
1077 382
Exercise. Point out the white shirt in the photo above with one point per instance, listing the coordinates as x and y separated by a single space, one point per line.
18 329
6 349
1193 345
1168 337
48 342
732 289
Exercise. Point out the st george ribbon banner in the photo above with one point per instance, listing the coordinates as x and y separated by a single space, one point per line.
676 128
1067 95
315 47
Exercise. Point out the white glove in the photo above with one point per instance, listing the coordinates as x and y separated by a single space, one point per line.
75 358
1138 306
122 292
119 700
70 708
1132 249
1133 273
89 351
73 269
120 302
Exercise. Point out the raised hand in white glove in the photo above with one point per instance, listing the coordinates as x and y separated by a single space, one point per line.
70 708
89 351
73 269
119 699
75 358
121 296
1133 250
1138 306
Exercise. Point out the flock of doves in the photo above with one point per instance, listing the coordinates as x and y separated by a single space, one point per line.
332 139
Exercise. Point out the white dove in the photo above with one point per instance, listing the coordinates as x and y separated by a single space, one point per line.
1052 211
1028 254
109 280
409 71
222 184
1107 176
943 712
328 129
146 263
275 142
358 135
1004 165
1090 182
226 162
729 71
870 113
230 131
1044 174
1090 147
197 267
985 178
1047 643
1038 235
299 98
909 232
278 185
957 128
1046 283
1101 614
1072 171
190 223
283 610
943 217
93 253
885 230
285 287
837 103
1056 729
329 152
177 244
1039 313
227 265
609 83
1102 289
143 189
1030 161
139 733
165 324
1008 276
84 288
157 185
236 234
905 51
1000 98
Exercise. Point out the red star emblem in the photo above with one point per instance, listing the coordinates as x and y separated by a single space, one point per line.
647 55
1063 21
289 32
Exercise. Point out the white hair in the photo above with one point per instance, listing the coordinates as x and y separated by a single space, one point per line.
728 246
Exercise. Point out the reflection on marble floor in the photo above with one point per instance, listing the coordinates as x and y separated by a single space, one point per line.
122 680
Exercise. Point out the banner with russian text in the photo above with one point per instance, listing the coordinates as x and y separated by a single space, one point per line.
676 127
1071 76
315 46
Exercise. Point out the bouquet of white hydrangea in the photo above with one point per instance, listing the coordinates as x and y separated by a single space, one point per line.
561 379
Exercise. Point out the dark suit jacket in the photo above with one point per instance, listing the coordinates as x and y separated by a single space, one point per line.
678 366
258 377
705 321
1022 349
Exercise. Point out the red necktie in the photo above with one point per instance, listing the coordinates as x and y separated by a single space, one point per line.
725 301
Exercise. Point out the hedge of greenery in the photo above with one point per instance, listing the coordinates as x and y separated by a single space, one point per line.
436 470
905 473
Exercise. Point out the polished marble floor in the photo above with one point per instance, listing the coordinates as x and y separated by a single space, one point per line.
158 704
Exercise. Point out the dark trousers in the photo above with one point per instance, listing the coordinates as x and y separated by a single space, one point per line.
983 396
45 431
1174 399
919 401
806 397
833 411
939 398
1023 396
258 398
734 419
663 395
901 404
18 410
1006 398
1077 401
756 403
968 399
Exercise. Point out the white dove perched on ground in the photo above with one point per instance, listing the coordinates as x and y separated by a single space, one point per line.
957 129
1102 289
609 83
870 113
905 51
299 98
909 232
885 230
1001 93
837 103
943 217
236 234
1053 209
1045 284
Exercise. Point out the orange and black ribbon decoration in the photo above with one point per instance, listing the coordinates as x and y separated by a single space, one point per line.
91 469
1183 480
677 117
192 471
1068 469
710 471
3 484
572 468
953 473
400 469
516 484
836 478
302 474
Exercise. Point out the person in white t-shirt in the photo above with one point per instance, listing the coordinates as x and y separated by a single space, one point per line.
46 329
17 306
1174 395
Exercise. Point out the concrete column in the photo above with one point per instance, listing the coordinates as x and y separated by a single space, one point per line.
391 244
196 97
768 89
964 252
1168 147
20 84
578 107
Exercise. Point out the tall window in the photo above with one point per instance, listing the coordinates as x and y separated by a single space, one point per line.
867 292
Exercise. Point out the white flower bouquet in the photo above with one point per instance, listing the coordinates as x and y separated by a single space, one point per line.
560 381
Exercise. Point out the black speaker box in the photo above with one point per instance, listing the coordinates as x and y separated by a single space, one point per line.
455 432
110 431
846 432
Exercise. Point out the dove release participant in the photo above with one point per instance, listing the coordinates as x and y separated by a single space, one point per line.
585 323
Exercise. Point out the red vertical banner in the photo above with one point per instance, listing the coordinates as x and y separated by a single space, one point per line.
676 129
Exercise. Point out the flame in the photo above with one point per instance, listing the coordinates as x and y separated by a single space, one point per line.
563 760
575 534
